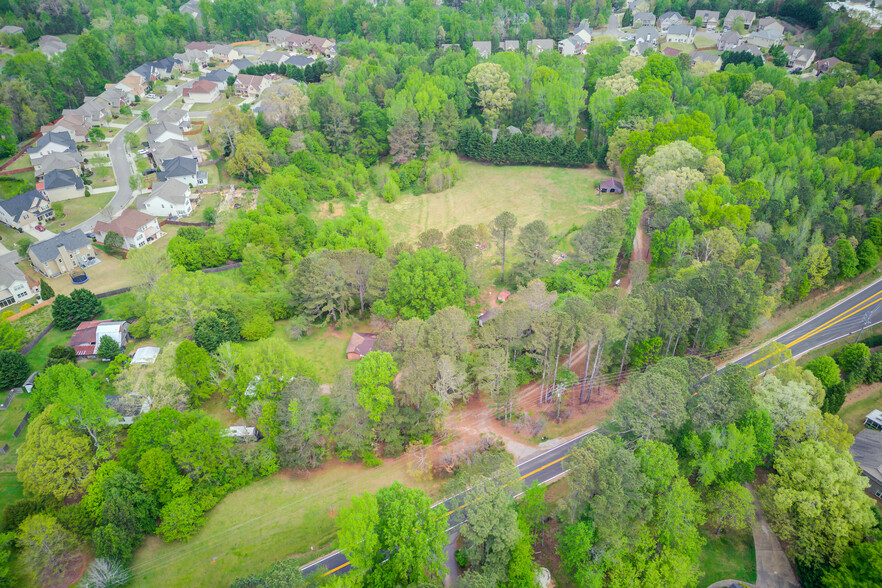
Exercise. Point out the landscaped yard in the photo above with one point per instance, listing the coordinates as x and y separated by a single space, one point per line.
9 421
79 210
729 556
858 405
103 176
20 163
36 321
702 42
284 516
103 277
531 193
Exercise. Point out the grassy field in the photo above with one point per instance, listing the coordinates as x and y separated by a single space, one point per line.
36 321
79 210
103 176
16 184
562 197
103 277
729 556
10 489
704 42
38 355
283 516
9 421
865 398
9 236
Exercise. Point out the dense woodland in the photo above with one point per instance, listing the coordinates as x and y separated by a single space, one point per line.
757 190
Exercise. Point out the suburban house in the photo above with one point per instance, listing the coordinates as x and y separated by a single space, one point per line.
799 57
237 66
62 184
646 35
183 169
766 39
486 317
610 186
639 49
825 65
709 18
319 45
170 149
201 92
748 48
732 16
705 57
483 48
728 41
226 53
62 253
191 56
93 110
578 43
874 419
135 227
169 198
26 210
300 61
191 8
644 19
669 19
767 23
219 77
360 344
175 116
540 45
11 30
72 124
163 131
271 58
72 161
133 84
207 48
51 46
247 85
684 34
278 37
15 286
509 45
867 452
87 337
52 143
116 98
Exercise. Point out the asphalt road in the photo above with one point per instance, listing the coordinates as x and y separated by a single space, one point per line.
542 468
841 320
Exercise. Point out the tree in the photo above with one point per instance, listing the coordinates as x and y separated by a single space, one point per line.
282 574
461 242
148 264
404 136
503 226
779 58
209 215
854 360
22 245
249 158
11 335
848 261
785 402
423 282
212 331
46 547
112 239
825 370
535 243
373 375
70 311
284 105
730 506
627 19
14 369
817 264
868 256
319 287
393 538
225 125
145 116
490 529
194 366
53 461
860 568
815 501
108 348
106 573
489 84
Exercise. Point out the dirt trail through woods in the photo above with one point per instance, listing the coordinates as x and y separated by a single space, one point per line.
639 251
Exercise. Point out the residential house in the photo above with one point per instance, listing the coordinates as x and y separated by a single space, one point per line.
683 34
638 6
297 41
191 56
169 198
175 116
728 41
201 92
87 336
874 419
52 143
748 48
62 184
94 110
447 46
647 35
825 65
867 452
710 19
360 344
639 49
278 37
766 39
226 53
163 131
72 124
15 286
200 46
173 148
243 434
488 316
800 58
483 48
239 65
578 43
135 227
133 84
510 45
706 57
116 98
319 45
62 253
11 30
219 77
26 210
768 23
183 169
167 66
540 45
734 15
191 8
644 19
300 61
669 19
72 161
248 85
610 186
271 58
51 46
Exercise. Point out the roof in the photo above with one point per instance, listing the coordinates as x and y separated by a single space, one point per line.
652 32
127 224
875 415
825 64
748 48
201 87
488 316
704 57
510 44
541 43
299 61
173 148
173 191
11 30
671 52
612 183
482 46
222 49
49 44
177 167
730 38
250 81
71 240
155 131
18 204
361 343
642 47
62 178
503 295
127 405
59 138
795 53
9 274
219 76
199 46
767 21
681 30
146 355
867 451
644 16
242 63
172 115
669 15
770 34
272 56
711 13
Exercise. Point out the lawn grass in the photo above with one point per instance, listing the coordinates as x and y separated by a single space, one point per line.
9 421
20 163
40 353
729 556
35 321
8 237
11 489
283 516
103 277
201 107
561 197
103 176
702 42
854 414
16 184
79 210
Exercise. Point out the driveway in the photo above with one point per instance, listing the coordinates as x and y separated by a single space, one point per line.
772 566
612 27
39 235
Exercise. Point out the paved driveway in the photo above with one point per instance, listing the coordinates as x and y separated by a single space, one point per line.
39 235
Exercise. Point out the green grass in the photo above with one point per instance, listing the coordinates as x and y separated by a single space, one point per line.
40 353
703 42
9 421
9 236
561 197
117 308
35 321
103 176
282 516
854 414
16 184
11 489
729 556
79 210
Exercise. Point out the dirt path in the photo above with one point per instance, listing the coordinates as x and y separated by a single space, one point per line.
772 566
639 251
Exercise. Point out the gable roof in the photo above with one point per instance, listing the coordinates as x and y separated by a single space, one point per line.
242 63
681 30
173 148
647 32
23 202
50 45
299 60
199 46
127 224
62 139
482 46
48 249
218 76
201 87
172 191
544 44
12 30
250 81
9 274
61 160
156 131
177 167
62 178
172 115
361 343
867 451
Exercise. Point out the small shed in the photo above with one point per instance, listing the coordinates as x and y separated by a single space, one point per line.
145 356
243 433
874 420
611 186
360 344
503 296
488 316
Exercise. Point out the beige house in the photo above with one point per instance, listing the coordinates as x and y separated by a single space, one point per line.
710 19
135 227
71 160
62 184
201 92
133 84
247 85
26 210
62 253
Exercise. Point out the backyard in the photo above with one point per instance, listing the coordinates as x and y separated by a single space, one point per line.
9 421
79 210
731 556
561 197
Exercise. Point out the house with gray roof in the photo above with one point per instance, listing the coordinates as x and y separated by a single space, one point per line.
684 34
175 116
51 46
183 169
63 184
236 67
540 45
710 19
169 198
732 17
483 48
639 49
11 30
162 152
647 35
767 38
300 61
26 210
669 19
62 253
54 161
15 286
867 452
728 41
800 58
271 58
510 45
52 143
163 131
706 57
644 19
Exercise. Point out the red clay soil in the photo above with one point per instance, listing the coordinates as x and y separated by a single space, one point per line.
72 574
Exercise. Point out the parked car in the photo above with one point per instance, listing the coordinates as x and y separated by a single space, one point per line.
149 171
152 96
143 151
41 228
91 236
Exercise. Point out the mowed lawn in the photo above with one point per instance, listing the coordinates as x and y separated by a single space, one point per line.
283 516
79 210
559 196
731 556
9 421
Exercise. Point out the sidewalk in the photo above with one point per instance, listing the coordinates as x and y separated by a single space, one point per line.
105 190
772 566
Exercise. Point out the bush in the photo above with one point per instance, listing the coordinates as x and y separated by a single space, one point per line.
854 360
297 327
70 311
14 514
14 369
874 372
61 354
107 348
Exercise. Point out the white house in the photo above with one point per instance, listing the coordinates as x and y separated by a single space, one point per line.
540 45
684 34
647 35
175 116
15 286
799 57
728 41
669 19
201 92
644 19
135 227
169 198
52 143
163 131
173 148
766 38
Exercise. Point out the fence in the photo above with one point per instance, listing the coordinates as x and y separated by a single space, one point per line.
113 292
183 224
22 425
223 268
33 342
9 398
12 172
27 311
24 150
4 449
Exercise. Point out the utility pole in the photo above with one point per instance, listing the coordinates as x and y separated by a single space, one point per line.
866 323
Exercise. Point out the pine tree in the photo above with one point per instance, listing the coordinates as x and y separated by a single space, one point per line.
46 291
